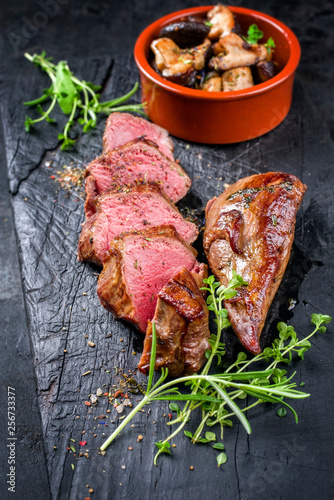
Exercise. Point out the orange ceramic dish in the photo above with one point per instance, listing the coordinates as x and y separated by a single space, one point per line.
220 117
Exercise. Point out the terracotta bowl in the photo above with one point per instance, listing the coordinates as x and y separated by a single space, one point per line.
220 117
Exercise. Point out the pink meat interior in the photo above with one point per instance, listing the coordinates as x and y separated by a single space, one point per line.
148 265
140 164
123 127
129 212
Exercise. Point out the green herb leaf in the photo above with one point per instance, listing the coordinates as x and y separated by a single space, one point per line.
67 144
281 412
254 34
242 356
270 45
221 459
164 447
210 436
28 123
218 446
174 407
318 319
64 88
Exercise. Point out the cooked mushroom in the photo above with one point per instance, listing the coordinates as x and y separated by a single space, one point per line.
185 33
212 82
173 63
237 79
179 65
264 71
200 53
222 21
231 52
179 56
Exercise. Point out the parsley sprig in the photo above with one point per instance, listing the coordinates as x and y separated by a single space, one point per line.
254 34
216 395
77 98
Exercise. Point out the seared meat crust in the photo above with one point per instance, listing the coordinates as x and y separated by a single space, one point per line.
250 228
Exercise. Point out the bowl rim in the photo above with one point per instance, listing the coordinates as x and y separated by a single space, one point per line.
284 74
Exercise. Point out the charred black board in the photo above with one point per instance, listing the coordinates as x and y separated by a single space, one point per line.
64 313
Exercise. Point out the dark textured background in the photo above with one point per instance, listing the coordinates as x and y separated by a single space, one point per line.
43 310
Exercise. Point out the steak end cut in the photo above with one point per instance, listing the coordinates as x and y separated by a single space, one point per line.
124 127
181 322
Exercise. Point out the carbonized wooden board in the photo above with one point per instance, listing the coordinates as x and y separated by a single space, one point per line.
62 308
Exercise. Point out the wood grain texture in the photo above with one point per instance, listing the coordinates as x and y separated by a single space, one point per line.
280 459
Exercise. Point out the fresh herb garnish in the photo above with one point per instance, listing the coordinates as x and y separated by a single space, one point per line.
281 412
270 45
254 34
77 98
221 458
216 394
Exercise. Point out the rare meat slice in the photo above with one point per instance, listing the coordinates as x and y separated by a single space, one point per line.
136 162
137 267
250 228
182 327
135 208
124 127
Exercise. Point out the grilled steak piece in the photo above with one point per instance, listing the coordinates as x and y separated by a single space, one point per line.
124 127
250 228
182 327
135 208
136 162
138 265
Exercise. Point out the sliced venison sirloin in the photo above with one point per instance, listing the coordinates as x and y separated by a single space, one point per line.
134 208
124 127
250 228
136 162
138 266
181 321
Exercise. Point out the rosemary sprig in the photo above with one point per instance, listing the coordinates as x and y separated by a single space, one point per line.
77 98
216 394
